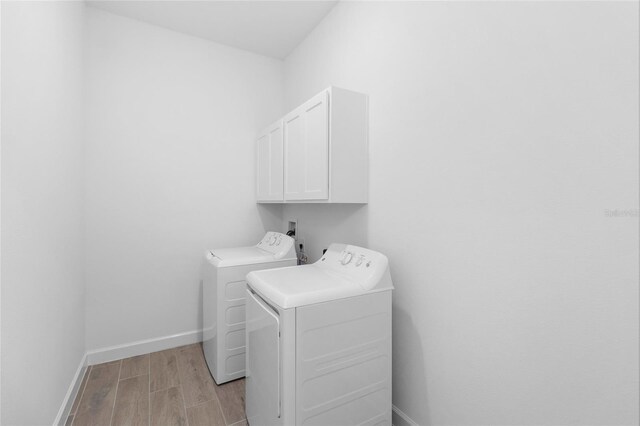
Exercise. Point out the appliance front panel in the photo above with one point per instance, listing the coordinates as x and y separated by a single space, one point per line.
343 362
263 373
209 315
223 313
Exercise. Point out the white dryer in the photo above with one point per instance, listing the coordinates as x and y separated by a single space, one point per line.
319 341
223 299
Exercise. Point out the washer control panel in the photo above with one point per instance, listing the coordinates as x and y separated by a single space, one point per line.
355 258
276 243
357 264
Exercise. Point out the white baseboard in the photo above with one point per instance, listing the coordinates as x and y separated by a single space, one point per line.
113 353
401 419
72 392
142 347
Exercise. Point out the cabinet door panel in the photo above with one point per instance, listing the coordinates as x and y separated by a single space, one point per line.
317 151
294 155
307 151
269 164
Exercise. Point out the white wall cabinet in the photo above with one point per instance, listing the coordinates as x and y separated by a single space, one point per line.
269 164
306 150
325 152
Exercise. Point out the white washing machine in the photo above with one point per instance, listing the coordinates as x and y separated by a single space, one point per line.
223 299
319 341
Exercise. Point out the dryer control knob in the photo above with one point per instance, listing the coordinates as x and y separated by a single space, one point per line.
348 256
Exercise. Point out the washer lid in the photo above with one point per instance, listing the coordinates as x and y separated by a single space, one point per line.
238 256
344 271
273 247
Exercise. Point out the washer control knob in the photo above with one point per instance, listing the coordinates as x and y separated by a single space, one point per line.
360 260
348 256
272 240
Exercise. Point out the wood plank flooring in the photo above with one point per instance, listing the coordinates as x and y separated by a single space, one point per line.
171 387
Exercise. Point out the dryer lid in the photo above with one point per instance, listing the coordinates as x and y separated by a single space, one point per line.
344 271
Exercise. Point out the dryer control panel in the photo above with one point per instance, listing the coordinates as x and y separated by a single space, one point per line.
277 243
358 264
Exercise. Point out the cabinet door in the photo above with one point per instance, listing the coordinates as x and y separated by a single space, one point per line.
269 164
306 150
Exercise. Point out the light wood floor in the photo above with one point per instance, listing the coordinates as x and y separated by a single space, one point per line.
171 387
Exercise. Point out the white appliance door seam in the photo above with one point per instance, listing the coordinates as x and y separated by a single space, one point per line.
264 305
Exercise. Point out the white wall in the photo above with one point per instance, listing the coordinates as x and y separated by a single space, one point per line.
42 213
500 133
171 121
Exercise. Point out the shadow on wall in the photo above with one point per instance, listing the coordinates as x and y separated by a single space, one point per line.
271 217
409 354
322 224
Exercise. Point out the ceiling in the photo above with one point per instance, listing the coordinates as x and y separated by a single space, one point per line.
270 28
